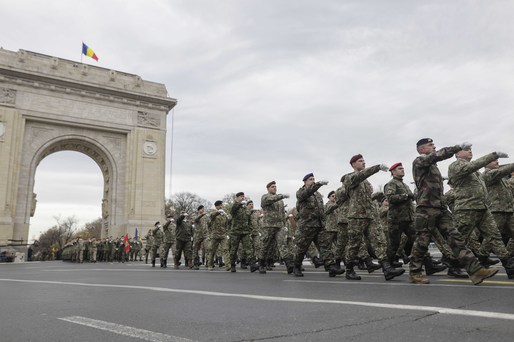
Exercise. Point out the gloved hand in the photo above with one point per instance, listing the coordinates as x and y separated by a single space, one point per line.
243 202
323 182
384 167
221 211
285 195
501 154
466 145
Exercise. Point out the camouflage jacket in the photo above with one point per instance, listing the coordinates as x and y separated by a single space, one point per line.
469 187
273 211
342 201
449 199
240 223
218 225
500 197
400 198
359 193
158 236
184 229
428 179
169 231
309 204
331 213
149 241
200 229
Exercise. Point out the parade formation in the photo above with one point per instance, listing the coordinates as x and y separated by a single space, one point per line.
469 224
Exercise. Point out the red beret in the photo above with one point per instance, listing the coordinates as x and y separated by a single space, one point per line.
394 166
355 158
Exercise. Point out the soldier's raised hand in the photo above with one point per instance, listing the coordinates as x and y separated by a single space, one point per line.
466 145
501 154
285 195
384 167
323 182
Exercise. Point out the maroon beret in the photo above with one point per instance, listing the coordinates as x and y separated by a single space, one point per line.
355 158
394 166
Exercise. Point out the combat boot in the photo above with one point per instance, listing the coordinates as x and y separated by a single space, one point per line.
333 271
486 261
350 273
361 265
269 265
396 263
175 264
162 263
262 266
389 272
482 274
243 264
297 271
232 267
508 263
254 267
454 269
370 265
165 263
220 262
338 264
418 278
317 262
153 263
289 265
431 268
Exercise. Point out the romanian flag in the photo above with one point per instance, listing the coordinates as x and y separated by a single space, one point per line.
126 243
88 52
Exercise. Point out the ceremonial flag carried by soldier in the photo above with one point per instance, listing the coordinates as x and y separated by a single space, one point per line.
126 243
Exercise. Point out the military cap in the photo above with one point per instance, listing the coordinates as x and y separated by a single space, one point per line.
218 202
355 158
156 223
200 208
249 202
270 184
307 176
423 141
331 193
394 166
240 194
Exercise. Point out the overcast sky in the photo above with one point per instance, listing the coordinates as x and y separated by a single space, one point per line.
272 90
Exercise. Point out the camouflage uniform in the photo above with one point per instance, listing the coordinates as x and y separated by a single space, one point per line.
169 239
157 242
239 232
501 202
471 211
199 236
362 214
93 250
431 213
257 232
183 236
273 221
217 228
311 225
148 245
400 215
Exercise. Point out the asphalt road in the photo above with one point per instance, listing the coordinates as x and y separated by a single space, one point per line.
61 301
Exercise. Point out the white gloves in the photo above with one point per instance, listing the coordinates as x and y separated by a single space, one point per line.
221 211
323 182
243 202
384 167
501 154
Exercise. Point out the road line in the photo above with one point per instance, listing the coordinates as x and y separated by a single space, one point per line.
124 330
485 281
443 310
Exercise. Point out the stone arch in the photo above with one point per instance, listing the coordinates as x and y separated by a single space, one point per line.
96 151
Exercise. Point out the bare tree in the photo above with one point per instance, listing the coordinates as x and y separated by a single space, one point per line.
91 229
186 202
66 229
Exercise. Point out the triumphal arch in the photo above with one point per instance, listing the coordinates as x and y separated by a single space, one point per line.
48 104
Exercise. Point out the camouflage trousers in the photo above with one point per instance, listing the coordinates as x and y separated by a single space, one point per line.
165 250
247 252
427 222
395 230
467 221
269 242
92 255
183 246
156 249
285 245
198 244
318 235
257 244
373 235
505 223
218 246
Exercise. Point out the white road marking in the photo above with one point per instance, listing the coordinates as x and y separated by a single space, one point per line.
443 310
124 330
